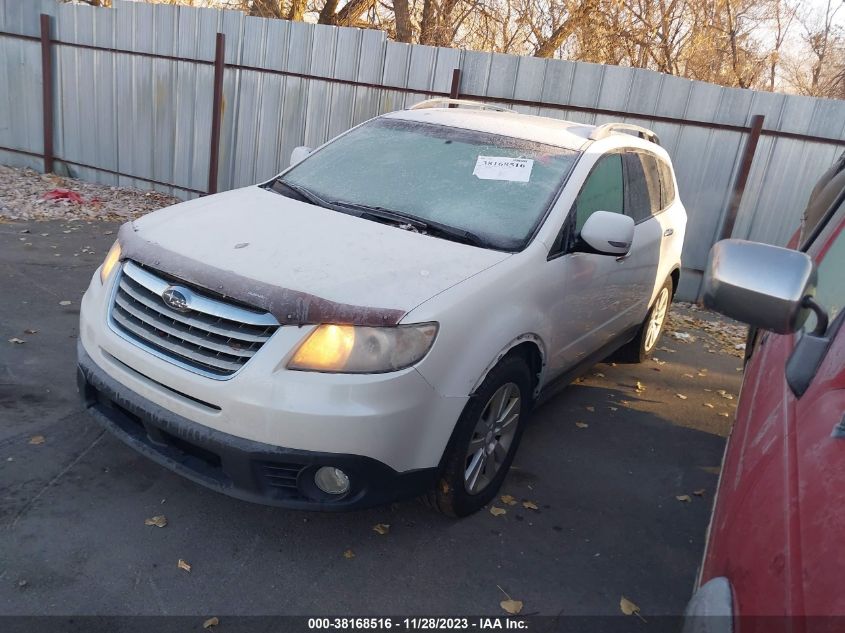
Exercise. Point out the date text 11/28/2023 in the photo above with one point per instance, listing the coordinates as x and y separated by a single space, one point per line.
417 624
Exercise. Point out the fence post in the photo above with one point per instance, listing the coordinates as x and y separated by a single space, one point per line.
216 112
455 90
742 176
47 93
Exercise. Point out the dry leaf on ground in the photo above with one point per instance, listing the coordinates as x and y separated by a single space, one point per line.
629 608
158 521
496 512
590 408
16 341
37 439
349 554
508 500
530 505
681 396
65 303
30 331
381 528
581 425
182 564
511 606
210 622
700 492
683 498
708 405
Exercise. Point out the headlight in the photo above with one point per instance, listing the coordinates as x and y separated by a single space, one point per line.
109 263
351 349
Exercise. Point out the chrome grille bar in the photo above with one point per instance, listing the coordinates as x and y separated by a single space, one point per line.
211 336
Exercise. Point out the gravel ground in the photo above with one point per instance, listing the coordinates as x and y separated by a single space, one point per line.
28 195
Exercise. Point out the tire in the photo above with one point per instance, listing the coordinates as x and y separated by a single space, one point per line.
648 336
458 494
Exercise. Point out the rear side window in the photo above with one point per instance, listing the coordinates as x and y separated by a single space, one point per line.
602 191
651 168
667 185
638 203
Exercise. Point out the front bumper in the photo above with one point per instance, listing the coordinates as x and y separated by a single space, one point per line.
236 466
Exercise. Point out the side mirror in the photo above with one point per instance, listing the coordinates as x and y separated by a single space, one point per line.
299 153
765 286
608 233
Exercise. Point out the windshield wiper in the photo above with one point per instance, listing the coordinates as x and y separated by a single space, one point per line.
426 226
306 194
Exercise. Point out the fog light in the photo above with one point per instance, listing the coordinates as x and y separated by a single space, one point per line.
331 480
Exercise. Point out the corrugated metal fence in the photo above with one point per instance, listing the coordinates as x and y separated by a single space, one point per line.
133 103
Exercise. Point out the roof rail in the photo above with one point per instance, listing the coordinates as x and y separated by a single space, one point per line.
603 131
440 102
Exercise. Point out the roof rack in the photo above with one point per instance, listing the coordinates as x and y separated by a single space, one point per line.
440 102
603 131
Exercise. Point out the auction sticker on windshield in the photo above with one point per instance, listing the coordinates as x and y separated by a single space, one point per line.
503 168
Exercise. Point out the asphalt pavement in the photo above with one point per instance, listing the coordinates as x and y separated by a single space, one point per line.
604 462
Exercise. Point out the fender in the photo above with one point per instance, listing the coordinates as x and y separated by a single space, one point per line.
519 340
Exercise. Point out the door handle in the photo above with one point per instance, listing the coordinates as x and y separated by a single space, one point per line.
668 232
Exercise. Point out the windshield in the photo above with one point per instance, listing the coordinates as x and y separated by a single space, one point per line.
493 187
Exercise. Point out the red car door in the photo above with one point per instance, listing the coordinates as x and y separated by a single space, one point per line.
779 517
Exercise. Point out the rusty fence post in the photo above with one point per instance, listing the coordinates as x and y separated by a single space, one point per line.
47 93
742 176
216 112
455 90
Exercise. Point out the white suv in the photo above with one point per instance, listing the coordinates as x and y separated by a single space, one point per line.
377 321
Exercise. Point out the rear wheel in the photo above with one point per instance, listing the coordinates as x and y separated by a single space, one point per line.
651 330
485 440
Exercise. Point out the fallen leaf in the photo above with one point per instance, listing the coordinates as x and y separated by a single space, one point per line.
598 374
381 528
591 409
700 492
497 511
681 396
508 500
640 386
181 564
37 439
64 303
684 498
688 376
16 341
158 521
349 554
614 408
511 606
629 608
30 331
210 622
725 415
581 425
708 405
529 505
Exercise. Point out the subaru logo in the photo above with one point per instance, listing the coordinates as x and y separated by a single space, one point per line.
175 298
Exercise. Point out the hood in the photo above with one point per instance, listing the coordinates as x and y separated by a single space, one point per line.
272 251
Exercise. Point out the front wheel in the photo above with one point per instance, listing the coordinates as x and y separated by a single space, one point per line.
485 440
650 331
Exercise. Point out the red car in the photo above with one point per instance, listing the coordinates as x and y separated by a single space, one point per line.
776 542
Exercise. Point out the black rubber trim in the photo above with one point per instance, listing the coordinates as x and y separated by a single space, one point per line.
233 465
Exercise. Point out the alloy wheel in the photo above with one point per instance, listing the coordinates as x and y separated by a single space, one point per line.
658 316
492 438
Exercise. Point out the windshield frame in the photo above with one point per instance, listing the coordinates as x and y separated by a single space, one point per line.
542 216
